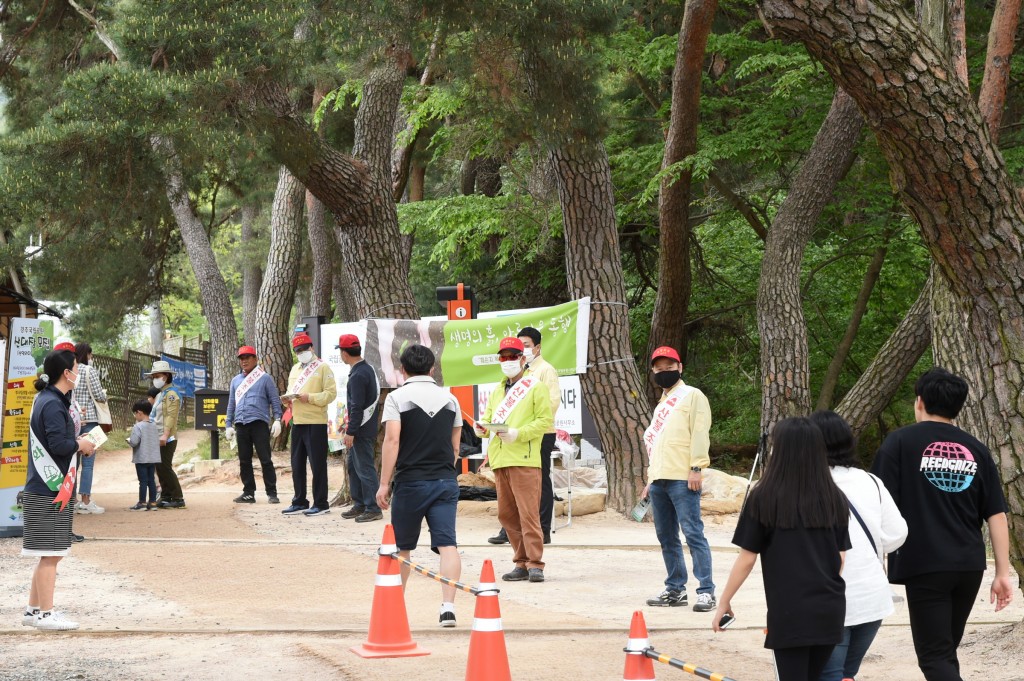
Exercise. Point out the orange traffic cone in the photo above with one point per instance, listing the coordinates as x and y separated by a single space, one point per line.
488 659
639 667
389 634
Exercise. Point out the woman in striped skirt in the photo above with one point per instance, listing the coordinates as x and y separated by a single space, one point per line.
49 488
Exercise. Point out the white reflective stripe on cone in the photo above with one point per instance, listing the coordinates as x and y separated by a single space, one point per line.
388 549
638 645
491 586
487 624
388 580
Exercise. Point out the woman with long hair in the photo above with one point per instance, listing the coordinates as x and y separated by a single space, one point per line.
47 501
86 394
877 529
797 520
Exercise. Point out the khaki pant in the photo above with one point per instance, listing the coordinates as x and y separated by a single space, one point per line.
518 500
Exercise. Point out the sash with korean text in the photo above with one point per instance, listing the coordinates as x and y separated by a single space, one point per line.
250 380
306 374
513 397
661 414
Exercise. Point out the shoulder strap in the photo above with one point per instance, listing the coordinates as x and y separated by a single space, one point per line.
863 525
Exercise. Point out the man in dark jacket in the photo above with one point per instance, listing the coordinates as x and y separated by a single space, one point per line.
360 431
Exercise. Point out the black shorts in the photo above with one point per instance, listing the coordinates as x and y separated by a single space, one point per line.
435 500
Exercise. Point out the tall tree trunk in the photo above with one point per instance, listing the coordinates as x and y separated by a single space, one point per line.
953 181
612 388
345 302
860 307
668 325
273 319
156 327
321 243
1001 35
785 374
252 273
322 247
952 345
217 309
876 386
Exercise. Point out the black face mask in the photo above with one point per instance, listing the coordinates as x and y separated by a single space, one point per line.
666 379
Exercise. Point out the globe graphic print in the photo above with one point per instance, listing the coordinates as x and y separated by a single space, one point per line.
949 466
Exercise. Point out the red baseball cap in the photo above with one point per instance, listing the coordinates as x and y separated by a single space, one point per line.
301 339
65 345
348 341
247 350
511 343
665 351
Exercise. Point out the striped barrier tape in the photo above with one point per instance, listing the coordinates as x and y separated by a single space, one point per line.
427 572
685 666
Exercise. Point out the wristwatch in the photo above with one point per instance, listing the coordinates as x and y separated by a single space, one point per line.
695 469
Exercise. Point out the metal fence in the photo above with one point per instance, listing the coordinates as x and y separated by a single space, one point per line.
124 383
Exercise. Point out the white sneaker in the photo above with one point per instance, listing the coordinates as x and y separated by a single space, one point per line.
29 618
54 621
94 509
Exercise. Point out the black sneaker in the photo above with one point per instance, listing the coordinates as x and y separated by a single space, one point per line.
669 598
447 619
245 499
273 499
520 574
500 538
167 503
294 509
547 536
77 538
354 512
370 516
139 507
536 575
316 511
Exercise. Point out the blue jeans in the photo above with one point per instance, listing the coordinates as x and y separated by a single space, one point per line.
848 653
146 473
85 475
362 474
675 506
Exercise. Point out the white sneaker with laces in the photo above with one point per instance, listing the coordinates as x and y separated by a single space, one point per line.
705 603
82 509
29 618
54 621
93 508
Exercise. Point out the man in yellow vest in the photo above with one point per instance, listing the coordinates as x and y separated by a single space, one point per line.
517 416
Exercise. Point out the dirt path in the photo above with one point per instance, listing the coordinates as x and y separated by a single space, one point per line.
218 591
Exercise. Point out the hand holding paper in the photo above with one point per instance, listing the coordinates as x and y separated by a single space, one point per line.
509 436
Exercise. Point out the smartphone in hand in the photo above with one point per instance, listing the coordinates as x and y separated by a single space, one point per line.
726 621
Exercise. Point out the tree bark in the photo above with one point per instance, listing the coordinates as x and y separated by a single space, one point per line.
1001 36
322 247
897 357
785 373
354 188
345 302
668 324
156 327
217 308
953 181
252 274
612 388
860 307
273 318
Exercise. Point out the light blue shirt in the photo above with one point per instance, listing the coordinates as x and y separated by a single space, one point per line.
256 404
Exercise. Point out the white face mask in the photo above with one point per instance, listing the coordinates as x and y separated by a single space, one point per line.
74 383
159 382
528 354
511 368
305 357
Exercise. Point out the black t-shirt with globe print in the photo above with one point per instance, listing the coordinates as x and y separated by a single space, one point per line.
946 485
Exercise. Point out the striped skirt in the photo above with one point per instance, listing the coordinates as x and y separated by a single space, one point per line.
47 530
